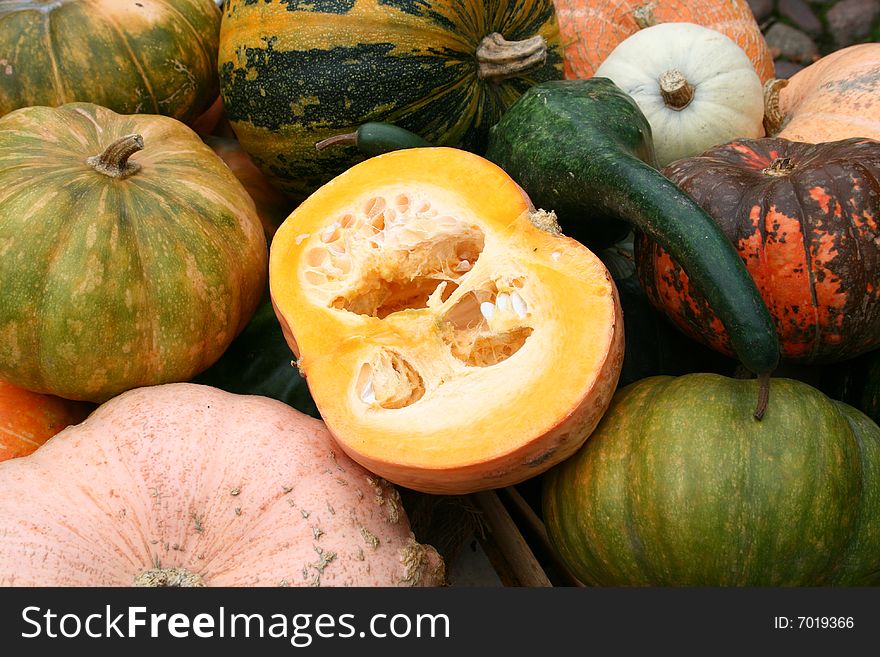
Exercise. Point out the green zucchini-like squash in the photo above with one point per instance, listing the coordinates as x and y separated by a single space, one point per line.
583 149
130 255
678 486
149 56
295 73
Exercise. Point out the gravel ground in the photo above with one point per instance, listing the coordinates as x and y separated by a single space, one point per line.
801 31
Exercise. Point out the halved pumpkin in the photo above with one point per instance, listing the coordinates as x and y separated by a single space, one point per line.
451 345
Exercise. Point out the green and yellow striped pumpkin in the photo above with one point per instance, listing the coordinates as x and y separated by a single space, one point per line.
295 72
115 272
131 56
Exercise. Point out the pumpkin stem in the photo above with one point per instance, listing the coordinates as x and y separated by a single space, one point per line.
677 92
168 578
499 59
644 16
763 395
346 138
773 116
114 162
781 166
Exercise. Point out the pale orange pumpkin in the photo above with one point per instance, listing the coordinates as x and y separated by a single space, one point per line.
591 29
28 419
836 97
452 340
187 485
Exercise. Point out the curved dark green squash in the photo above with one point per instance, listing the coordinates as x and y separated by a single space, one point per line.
259 362
155 57
294 73
678 486
583 149
654 346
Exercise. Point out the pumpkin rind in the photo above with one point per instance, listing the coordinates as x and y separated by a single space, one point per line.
28 419
150 56
806 232
110 284
836 97
679 486
591 29
292 74
235 490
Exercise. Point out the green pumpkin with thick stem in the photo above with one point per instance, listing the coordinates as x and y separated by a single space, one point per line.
678 486
149 56
130 255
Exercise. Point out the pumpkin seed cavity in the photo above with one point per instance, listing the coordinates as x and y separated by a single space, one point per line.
485 327
391 255
402 252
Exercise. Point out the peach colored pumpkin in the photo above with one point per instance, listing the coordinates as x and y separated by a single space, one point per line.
182 484
591 29
28 419
835 98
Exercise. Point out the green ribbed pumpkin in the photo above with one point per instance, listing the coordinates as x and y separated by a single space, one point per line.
117 272
293 73
680 486
132 56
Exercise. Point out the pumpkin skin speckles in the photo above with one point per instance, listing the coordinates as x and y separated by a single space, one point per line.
804 218
114 283
150 56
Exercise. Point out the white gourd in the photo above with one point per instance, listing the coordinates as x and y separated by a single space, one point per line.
696 87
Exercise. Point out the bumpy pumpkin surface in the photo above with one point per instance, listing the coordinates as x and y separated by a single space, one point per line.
149 56
186 485
295 73
804 218
680 486
591 29
450 344
119 267
835 98
28 419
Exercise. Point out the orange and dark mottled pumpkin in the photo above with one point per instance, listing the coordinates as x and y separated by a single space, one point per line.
804 218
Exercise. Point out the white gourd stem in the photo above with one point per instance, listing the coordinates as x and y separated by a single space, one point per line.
677 92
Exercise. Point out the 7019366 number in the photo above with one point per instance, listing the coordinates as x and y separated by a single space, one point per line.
824 622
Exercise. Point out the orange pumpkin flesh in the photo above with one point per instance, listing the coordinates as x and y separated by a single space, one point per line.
450 344
28 419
